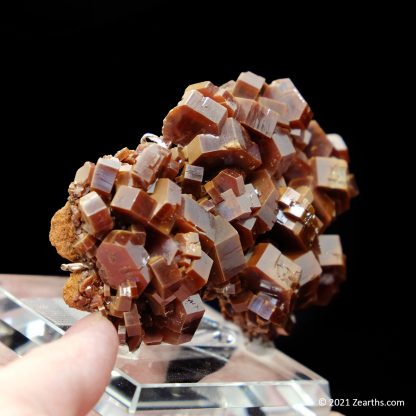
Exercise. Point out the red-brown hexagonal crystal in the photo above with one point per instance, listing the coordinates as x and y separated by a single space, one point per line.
105 174
283 90
128 288
84 174
171 170
96 214
267 194
299 167
121 303
340 149
245 153
301 138
206 88
195 114
189 245
268 308
178 154
196 277
258 119
153 336
233 207
262 264
139 233
277 153
192 217
192 180
159 305
213 192
248 85
224 97
246 232
288 197
299 112
278 107
227 252
279 87
232 287
323 204
168 197
331 175
132 322
125 155
121 260
113 311
226 150
150 162
135 342
309 278
207 204
122 334
134 203
188 313
205 150
125 176
229 179
166 277
85 245
297 227
319 144
253 199
162 245
273 274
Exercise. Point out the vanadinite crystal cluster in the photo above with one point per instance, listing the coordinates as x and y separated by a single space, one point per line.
229 203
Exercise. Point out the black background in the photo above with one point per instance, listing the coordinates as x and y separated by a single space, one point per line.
81 80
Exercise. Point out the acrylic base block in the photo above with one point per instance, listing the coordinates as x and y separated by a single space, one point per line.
219 372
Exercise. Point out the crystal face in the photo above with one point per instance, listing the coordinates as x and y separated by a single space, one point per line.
120 258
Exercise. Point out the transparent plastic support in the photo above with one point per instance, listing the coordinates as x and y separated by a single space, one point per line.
219 372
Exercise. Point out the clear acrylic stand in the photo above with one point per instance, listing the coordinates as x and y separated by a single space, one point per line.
218 373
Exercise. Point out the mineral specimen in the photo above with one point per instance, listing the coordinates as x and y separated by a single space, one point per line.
229 203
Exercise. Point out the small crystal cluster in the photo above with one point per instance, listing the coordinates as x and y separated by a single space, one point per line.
229 203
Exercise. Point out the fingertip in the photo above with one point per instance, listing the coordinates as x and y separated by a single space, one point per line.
94 337
92 321
95 325
68 376
94 341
